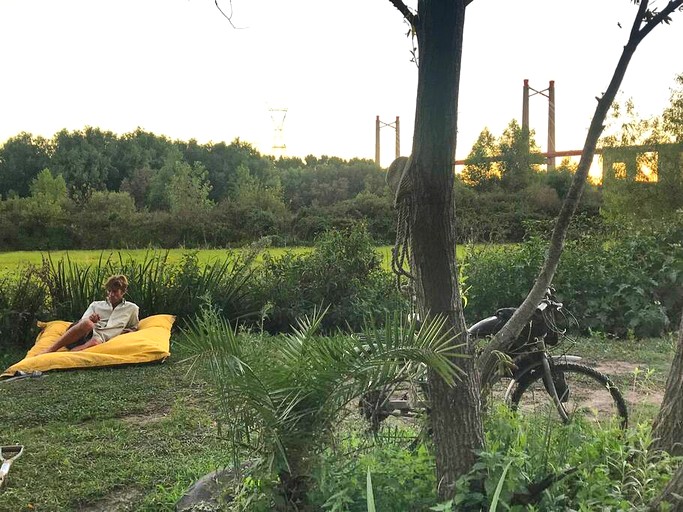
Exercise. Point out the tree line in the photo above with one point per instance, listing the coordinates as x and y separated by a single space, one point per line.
91 188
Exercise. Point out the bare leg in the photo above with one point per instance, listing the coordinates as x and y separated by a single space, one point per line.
90 343
73 334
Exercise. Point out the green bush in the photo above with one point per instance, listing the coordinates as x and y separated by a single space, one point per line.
343 272
22 302
630 284
402 479
182 288
605 469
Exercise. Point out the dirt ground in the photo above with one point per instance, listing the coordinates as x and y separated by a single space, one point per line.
637 393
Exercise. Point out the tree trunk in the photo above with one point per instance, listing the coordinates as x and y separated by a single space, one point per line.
672 495
425 191
456 412
667 428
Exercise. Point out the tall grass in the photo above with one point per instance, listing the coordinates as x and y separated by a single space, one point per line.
588 468
63 289
22 300
72 286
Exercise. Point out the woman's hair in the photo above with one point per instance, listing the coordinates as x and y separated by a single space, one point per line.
117 282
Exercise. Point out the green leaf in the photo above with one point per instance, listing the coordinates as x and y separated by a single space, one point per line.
370 495
499 488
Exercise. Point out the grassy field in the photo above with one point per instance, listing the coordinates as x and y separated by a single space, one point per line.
136 437
11 261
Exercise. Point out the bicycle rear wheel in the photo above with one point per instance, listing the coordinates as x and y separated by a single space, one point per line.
584 392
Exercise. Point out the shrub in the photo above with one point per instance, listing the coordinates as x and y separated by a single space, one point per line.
402 479
603 468
280 399
22 301
626 284
343 272
606 469
62 289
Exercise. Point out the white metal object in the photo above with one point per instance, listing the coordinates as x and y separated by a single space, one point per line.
8 454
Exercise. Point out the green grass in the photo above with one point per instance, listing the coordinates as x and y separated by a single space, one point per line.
143 434
90 436
11 261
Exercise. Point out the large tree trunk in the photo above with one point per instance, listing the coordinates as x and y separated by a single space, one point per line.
667 428
672 495
456 414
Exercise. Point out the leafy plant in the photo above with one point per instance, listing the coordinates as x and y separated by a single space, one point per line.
72 286
342 274
599 468
281 399
22 300
622 283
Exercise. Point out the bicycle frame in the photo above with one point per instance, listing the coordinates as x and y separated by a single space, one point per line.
535 359
527 369
545 364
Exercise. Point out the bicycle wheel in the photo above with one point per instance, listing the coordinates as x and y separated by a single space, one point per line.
584 392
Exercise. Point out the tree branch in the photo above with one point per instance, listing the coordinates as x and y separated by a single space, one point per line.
229 18
642 9
403 9
660 17
487 362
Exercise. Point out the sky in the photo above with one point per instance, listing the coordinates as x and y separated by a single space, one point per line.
178 68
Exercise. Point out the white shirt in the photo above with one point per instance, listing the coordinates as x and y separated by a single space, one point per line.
112 320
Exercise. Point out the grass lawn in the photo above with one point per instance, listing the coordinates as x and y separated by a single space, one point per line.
11 261
140 435
135 434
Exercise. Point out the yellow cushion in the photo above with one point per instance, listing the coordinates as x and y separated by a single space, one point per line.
149 343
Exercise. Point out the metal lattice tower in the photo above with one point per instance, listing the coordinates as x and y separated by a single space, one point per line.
278 115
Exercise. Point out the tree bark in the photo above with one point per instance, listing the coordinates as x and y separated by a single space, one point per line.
425 191
667 428
672 495
429 177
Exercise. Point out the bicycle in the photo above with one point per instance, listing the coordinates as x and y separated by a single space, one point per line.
534 381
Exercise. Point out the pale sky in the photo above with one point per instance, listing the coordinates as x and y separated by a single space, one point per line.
177 68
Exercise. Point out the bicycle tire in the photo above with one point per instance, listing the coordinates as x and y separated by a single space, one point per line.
591 395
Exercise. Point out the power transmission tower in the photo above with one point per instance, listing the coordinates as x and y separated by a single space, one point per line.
550 94
396 126
278 115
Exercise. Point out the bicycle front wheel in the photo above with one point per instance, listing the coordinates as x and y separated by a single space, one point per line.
583 392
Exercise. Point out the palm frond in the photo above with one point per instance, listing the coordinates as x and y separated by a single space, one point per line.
285 393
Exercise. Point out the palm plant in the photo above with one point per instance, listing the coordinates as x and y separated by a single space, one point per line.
281 397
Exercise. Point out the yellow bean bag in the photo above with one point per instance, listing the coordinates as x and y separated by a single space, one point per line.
149 343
